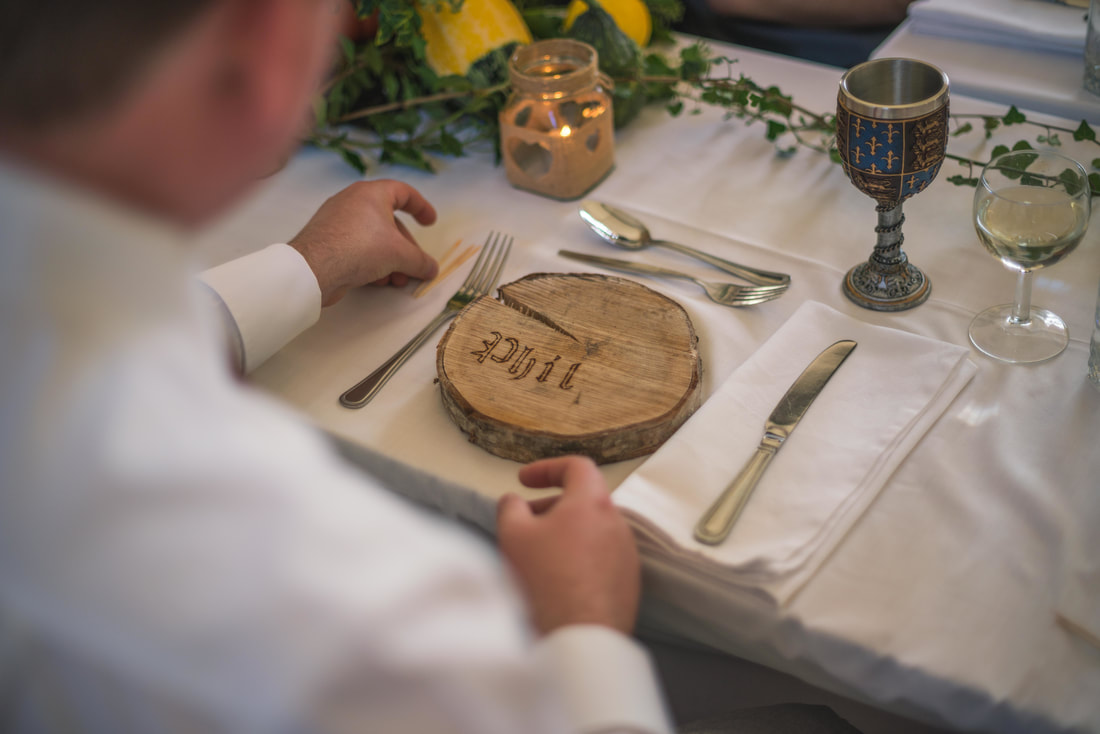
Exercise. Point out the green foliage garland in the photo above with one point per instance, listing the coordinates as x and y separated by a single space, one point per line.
384 102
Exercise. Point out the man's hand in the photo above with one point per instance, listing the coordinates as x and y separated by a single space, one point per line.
355 238
575 558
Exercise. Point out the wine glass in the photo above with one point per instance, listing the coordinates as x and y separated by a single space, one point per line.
891 134
1031 208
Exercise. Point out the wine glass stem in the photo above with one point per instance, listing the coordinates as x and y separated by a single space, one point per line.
1021 307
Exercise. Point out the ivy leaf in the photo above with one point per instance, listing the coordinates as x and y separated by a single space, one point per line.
354 160
675 108
449 144
348 48
961 180
1015 166
391 87
1094 183
405 155
658 65
962 130
665 12
1014 116
775 101
695 61
775 129
320 112
1095 163
997 151
1084 132
1071 180
990 124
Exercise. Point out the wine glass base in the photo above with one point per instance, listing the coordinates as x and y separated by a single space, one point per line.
891 288
995 334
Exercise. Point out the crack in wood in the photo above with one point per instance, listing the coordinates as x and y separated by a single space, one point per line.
537 316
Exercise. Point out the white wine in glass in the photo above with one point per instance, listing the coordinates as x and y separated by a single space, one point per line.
1031 209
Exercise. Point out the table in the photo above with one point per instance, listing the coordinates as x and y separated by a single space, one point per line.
1044 81
972 643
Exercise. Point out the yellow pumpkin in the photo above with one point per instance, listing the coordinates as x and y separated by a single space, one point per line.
632 17
456 40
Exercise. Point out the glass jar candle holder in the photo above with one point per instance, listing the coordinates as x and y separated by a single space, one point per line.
556 133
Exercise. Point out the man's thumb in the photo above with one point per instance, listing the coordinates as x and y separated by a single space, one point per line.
512 512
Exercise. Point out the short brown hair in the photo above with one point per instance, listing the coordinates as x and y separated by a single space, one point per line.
65 58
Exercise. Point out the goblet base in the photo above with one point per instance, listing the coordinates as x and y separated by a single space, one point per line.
995 333
890 288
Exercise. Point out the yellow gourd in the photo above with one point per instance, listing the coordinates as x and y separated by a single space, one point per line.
456 40
632 17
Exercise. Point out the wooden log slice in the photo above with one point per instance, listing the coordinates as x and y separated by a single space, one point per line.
565 363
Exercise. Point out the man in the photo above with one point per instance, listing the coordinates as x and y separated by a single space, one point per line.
179 553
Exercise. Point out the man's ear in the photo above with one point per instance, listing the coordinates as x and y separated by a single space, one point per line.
275 55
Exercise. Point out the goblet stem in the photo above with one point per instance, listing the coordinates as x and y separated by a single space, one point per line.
887 281
1021 305
888 247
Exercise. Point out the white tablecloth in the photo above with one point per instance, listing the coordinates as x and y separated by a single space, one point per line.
1041 80
940 602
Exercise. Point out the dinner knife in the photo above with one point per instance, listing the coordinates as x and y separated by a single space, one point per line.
716 523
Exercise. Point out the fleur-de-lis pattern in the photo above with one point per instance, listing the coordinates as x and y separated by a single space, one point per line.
891 161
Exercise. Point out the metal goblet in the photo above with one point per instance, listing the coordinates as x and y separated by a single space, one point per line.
891 133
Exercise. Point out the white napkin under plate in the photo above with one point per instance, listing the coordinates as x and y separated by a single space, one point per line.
877 406
1026 24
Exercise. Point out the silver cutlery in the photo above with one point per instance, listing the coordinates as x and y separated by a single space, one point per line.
717 522
623 230
482 278
727 294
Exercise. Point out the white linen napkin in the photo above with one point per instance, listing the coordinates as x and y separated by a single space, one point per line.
1027 24
877 406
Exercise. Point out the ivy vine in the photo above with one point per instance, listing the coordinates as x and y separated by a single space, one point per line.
383 102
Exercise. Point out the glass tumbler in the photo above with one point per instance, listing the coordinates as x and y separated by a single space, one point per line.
1094 347
1092 49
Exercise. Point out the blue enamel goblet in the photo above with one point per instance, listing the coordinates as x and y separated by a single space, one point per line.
891 133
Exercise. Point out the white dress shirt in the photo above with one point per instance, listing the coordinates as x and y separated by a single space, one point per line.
179 553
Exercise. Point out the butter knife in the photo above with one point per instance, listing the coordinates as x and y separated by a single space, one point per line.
716 523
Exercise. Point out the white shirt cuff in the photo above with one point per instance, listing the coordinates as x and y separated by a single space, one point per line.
272 296
606 680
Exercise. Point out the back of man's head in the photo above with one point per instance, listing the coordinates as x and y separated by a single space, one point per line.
61 59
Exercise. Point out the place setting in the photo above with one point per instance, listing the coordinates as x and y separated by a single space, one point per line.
676 359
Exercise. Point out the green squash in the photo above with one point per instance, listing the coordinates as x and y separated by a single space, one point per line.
620 56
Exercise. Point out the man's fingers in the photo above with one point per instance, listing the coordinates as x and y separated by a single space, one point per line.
571 473
409 200
415 263
542 504
512 513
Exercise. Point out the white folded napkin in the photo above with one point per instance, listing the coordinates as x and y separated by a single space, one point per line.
876 407
1027 24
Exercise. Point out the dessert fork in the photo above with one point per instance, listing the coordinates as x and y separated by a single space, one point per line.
727 294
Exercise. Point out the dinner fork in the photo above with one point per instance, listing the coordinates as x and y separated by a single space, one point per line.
482 278
727 294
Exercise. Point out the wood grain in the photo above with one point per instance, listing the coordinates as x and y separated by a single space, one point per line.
567 363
